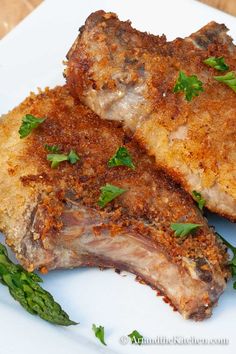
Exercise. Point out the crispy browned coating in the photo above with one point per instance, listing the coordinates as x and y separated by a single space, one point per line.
123 74
51 217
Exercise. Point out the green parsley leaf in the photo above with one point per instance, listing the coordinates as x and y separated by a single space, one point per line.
121 158
216 63
72 157
136 337
190 85
232 262
56 159
229 79
199 199
182 230
52 148
29 123
99 333
108 193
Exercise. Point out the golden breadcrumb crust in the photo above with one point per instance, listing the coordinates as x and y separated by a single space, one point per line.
193 141
27 180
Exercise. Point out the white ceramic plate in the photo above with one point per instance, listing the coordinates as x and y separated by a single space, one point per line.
30 57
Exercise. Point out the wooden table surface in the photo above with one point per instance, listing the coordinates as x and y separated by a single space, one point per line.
13 11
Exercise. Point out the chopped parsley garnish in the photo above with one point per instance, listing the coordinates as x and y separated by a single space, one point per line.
99 333
136 337
52 148
182 230
229 79
56 159
199 199
29 123
72 158
216 63
121 158
108 193
232 262
190 85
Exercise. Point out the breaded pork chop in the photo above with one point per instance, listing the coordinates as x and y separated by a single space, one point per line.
51 217
127 75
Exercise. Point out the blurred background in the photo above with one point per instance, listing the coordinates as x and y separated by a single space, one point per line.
13 11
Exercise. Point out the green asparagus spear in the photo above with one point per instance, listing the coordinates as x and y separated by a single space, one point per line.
24 288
